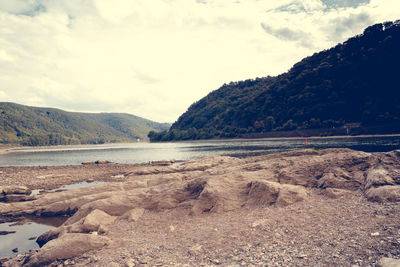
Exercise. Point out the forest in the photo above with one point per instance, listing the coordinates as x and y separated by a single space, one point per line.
353 83
35 126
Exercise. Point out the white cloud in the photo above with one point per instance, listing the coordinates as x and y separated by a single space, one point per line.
153 58
4 56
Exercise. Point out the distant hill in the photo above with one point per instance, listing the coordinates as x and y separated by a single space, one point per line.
353 83
49 126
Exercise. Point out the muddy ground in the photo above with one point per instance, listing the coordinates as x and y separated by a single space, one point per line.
334 207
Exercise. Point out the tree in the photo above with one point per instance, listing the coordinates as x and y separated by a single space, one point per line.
269 123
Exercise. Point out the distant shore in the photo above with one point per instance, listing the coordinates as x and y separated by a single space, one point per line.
285 138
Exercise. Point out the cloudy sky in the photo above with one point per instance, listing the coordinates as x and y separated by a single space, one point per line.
153 58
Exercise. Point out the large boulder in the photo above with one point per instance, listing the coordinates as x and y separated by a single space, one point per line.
269 193
10 190
338 178
15 194
67 246
96 221
378 177
387 193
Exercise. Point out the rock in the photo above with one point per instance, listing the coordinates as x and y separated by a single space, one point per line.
15 190
95 222
102 162
338 179
263 192
67 246
302 256
3 260
130 263
132 215
88 163
50 235
387 193
161 163
378 177
290 194
261 223
196 249
216 195
388 262
336 192
16 198
7 232
375 234
268 193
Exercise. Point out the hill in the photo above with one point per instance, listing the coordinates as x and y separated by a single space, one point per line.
353 83
49 126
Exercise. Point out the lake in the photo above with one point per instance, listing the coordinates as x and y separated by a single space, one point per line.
146 152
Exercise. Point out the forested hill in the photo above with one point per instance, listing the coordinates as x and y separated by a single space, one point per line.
354 82
48 126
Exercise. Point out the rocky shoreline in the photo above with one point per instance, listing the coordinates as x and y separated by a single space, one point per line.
301 208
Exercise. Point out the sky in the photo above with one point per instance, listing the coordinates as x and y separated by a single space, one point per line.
154 58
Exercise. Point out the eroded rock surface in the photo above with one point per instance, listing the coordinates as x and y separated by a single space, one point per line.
211 185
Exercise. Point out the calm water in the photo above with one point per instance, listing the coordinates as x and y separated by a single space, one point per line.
146 152
23 239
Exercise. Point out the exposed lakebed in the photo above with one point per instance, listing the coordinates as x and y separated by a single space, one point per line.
207 210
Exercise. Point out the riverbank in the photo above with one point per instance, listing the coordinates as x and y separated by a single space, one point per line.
5 149
301 208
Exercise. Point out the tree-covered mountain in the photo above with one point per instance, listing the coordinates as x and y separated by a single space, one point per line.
48 126
353 82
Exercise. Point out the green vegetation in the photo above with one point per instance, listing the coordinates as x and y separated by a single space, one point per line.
353 82
47 126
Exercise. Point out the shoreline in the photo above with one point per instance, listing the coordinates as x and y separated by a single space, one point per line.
5 149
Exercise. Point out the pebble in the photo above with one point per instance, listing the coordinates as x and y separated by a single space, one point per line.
130 263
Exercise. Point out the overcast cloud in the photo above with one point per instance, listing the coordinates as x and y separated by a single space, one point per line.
153 58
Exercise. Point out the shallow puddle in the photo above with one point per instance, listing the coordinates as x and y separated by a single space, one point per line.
67 187
20 238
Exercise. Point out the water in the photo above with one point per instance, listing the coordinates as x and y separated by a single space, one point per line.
24 238
146 152
71 186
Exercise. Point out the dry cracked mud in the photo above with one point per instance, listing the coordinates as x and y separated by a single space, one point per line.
334 207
